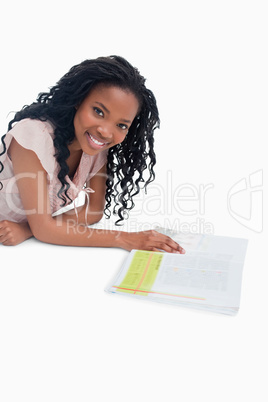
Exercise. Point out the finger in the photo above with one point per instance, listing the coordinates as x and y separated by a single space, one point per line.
175 247
3 232
7 243
181 250
5 240
162 245
3 224
169 249
1 236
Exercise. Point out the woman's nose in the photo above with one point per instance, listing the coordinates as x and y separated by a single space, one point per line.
105 131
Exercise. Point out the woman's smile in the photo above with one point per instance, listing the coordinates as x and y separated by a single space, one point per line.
94 142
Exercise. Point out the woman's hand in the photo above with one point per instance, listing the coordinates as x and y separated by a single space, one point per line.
12 233
150 240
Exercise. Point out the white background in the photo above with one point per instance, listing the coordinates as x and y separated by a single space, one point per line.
62 338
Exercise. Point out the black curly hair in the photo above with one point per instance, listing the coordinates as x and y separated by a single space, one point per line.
127 161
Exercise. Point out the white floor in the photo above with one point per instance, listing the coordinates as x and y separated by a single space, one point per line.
63 338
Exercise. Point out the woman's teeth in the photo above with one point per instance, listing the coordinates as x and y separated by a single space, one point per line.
96 141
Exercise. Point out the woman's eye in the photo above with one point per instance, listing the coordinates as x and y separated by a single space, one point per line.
123 126
98 111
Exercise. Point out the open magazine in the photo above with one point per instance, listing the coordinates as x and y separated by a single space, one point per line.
207 277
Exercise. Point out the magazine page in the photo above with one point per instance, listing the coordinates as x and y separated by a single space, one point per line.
201 278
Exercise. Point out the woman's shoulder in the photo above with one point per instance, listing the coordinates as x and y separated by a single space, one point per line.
33 127
32 133
37 136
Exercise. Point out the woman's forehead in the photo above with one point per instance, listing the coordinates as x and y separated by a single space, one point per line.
113 97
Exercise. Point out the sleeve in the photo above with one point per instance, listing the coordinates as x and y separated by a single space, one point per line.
36 136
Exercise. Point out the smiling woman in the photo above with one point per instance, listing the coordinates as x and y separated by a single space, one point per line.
95 127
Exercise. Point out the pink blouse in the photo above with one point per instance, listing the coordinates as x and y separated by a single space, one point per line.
37 136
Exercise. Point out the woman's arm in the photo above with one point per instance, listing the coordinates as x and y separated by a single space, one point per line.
32 185
12 233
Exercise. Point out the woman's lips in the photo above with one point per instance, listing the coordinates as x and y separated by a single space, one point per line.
94 142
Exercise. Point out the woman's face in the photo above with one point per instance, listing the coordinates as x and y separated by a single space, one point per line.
102 120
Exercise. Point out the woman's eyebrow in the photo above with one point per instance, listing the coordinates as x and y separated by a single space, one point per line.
108 111
104 107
